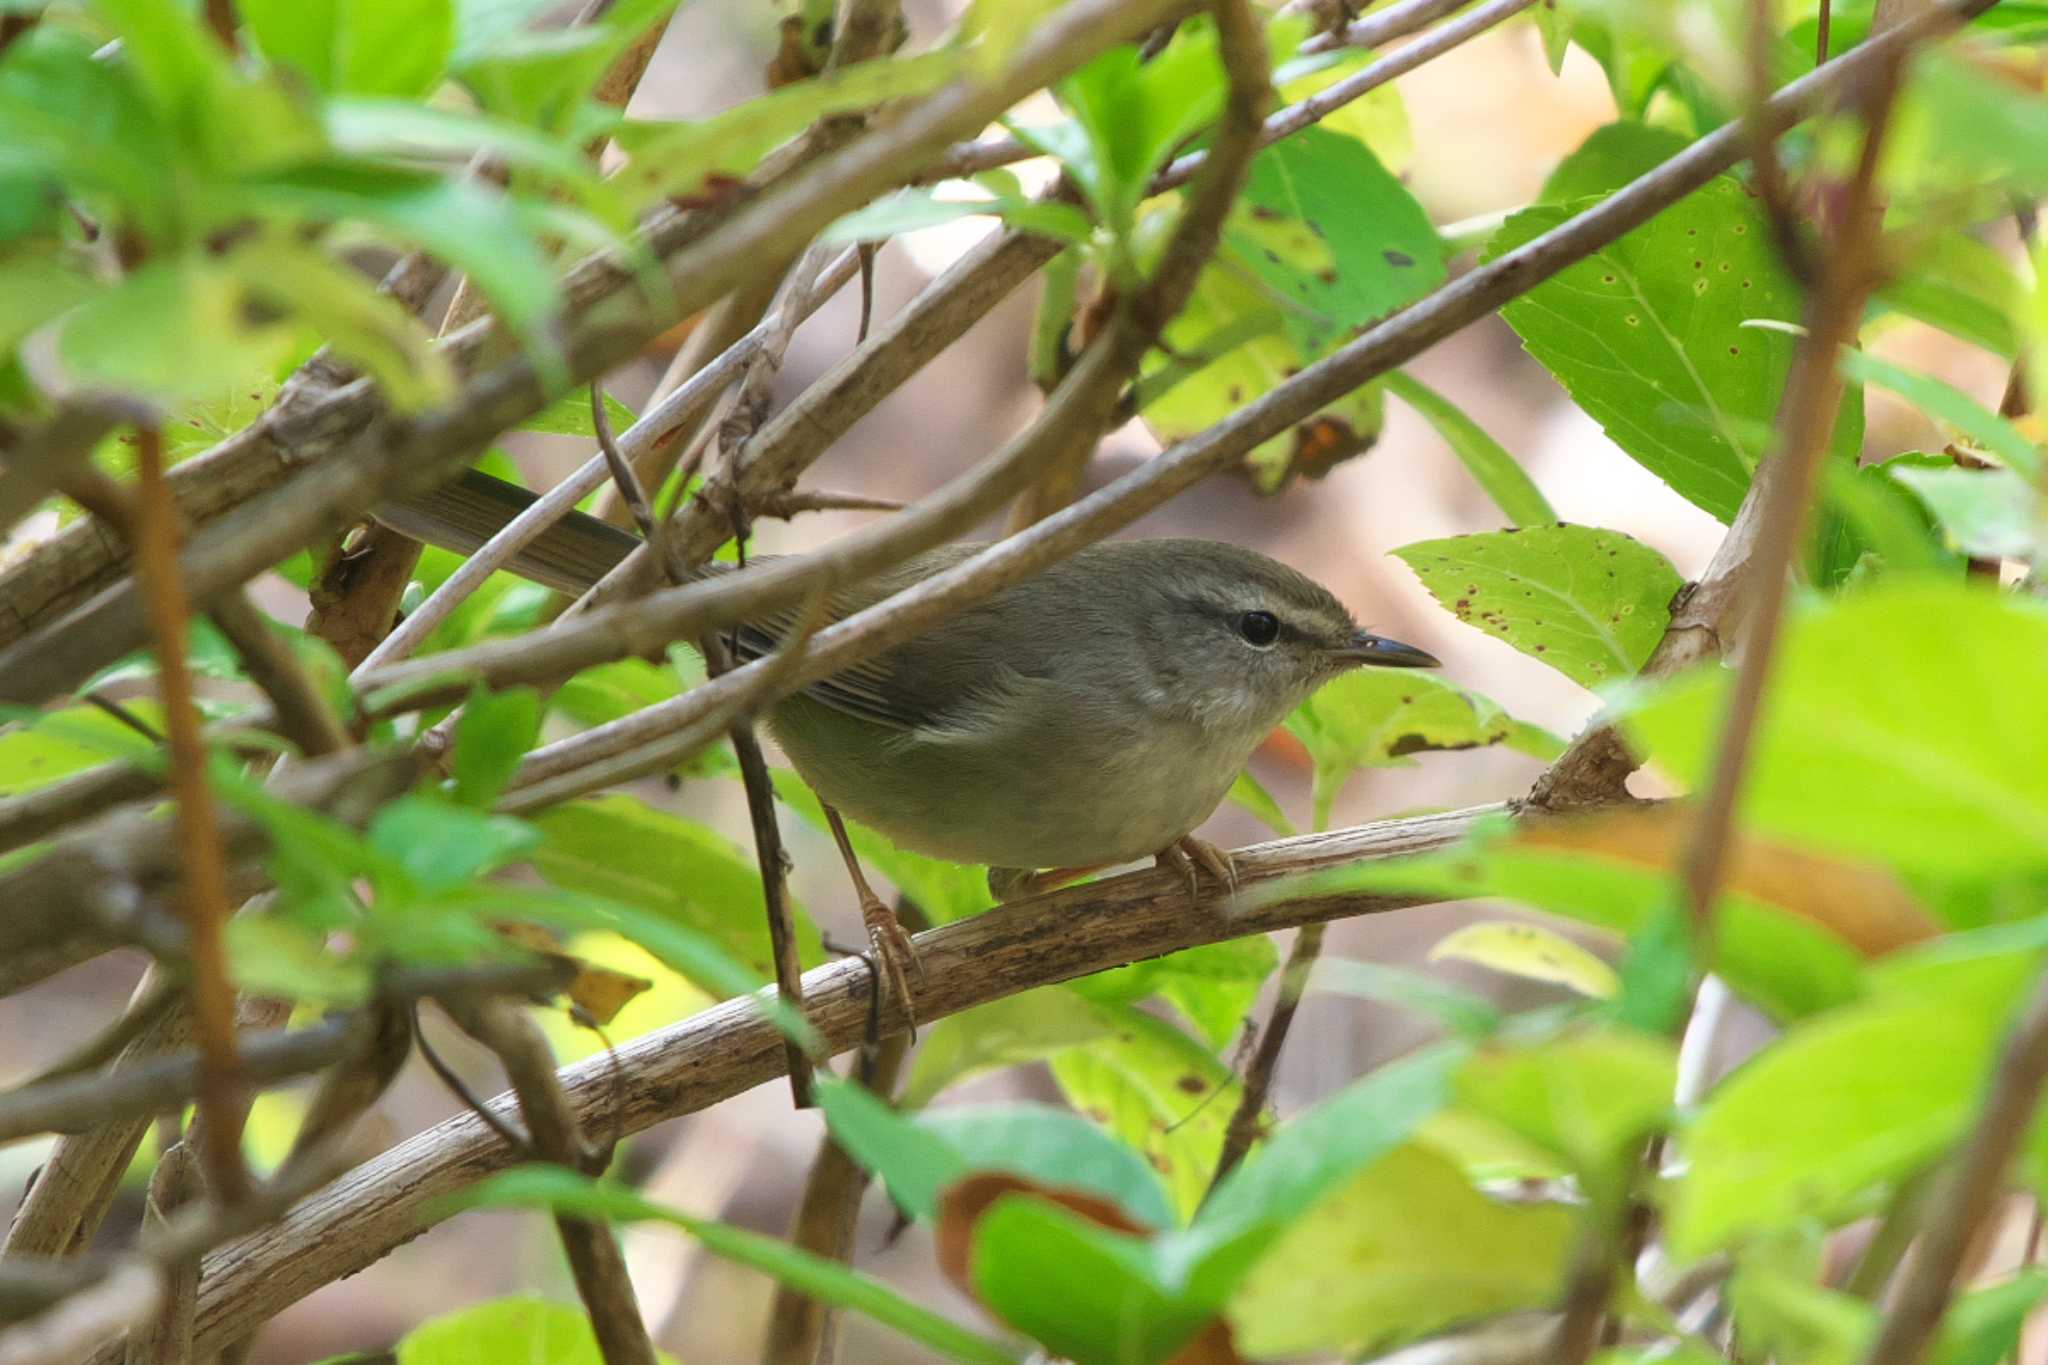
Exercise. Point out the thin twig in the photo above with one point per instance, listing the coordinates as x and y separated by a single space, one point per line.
1248 1121
1771 188
1968 1193
800 500
595 1260
1808 411
168 1340
773 861
685 405
396 457
203 886
71 1104
303 711
154 999
800 1327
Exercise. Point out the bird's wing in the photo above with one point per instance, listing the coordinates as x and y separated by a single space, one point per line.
911 687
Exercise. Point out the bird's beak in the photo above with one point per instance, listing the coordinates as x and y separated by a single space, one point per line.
1380 652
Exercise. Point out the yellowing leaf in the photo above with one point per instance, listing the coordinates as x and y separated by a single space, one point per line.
1527 951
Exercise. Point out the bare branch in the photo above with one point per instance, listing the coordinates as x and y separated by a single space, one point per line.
202 865
76 1103
733 1047
1248 1122
302 710
594 1257
392 456
1957 1209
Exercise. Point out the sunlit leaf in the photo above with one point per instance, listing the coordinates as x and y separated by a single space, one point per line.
1590 603
1406 1248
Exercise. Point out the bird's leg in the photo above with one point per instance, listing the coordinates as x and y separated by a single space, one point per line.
1016 883
1193 856
895 964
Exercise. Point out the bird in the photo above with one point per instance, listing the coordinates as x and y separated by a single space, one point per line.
1091 715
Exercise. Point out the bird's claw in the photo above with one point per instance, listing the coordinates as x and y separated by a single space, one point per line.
1192 856
896 967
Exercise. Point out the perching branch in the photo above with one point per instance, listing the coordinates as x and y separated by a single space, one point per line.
733 1047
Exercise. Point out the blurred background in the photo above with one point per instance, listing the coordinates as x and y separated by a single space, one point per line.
1489 122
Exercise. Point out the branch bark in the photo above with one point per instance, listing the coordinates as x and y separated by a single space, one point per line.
733 1047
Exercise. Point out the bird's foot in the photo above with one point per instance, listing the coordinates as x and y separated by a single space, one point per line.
1017 883
1191 857
895 966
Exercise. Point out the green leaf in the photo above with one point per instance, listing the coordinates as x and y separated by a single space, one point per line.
1158 1091
1087 1293
44 748
371 330
1235 346
1376 718
1326 241
1589 1095
1944 402
1590 603
1971 123
1213 985
556 1187
1871 521
1320 1150
619 848
1022 1028
544 77
76 128
1611 156
496 730
1407 1248
370 47
1132 114
478 232
919 1157
1453 1007
1330 229
1861 747
679 159
1988 513
1647 336
1529 951
1840 1105
173 330
1952 281
498 1332
569 415
1247 791
608 691
1488 462
440 844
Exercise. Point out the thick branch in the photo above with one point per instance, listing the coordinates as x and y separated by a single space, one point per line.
733 1047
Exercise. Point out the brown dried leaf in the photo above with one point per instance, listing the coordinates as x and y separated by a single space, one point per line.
1860 903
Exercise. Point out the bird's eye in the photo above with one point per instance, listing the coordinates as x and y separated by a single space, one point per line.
1260 628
